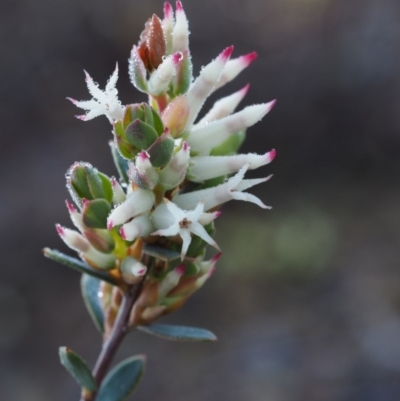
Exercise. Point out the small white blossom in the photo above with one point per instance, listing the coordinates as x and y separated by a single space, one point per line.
104 102
172 220
231 189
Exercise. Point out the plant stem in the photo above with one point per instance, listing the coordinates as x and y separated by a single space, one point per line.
111 345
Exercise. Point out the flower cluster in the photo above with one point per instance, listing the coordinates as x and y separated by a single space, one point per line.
152 225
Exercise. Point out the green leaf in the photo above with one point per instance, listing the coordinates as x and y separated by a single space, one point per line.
78 185
161 151
107 187
125 148
77 264
178 333
140 134
122 380
95 213
161 253
120 163
230 146
94 182
183 77
78 369
157 124
90 287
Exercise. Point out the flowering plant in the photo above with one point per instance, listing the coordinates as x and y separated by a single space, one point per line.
142 238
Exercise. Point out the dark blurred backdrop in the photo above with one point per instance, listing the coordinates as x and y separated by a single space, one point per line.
306 299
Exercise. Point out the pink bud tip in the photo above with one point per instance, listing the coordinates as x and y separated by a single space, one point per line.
143 155
141 272
249 58
271 155
73 101
180 270
227 52
244 90
114 182
70 206
211 271
177 57
85 201
110 225
271 104
121 232
81 117
60 230
216 257
167 9
185 146
218 213
179 6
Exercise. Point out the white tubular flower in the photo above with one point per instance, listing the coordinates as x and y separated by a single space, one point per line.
137 202
142 173
222 193
204 138
168 26
172 220
140 226
104 102
75 216
206 167
132 270
234 67
180 33
174 173
205 83
161 78
118 193
223 107
170 281
80 244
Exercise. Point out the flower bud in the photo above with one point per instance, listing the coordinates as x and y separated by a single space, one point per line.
137 70
132 270
175 116
152 46
170 281
137 202
174 172
118 193
140 226
142 173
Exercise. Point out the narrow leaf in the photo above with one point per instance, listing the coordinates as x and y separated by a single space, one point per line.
90 287
178 333
161 253
140 134
78 369
120 163
77 264
122 380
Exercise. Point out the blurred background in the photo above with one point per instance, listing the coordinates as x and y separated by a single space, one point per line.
306 298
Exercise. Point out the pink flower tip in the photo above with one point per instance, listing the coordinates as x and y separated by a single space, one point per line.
249 58
121 232
87 76
218 213
179 6
244 90
110 225
60 230
167 9
271 104
211 271
81 117
141 272
271 155
177 57
70 206
85 201
73 101
216 257
185 146
227 52
180 270
114 181
143 155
